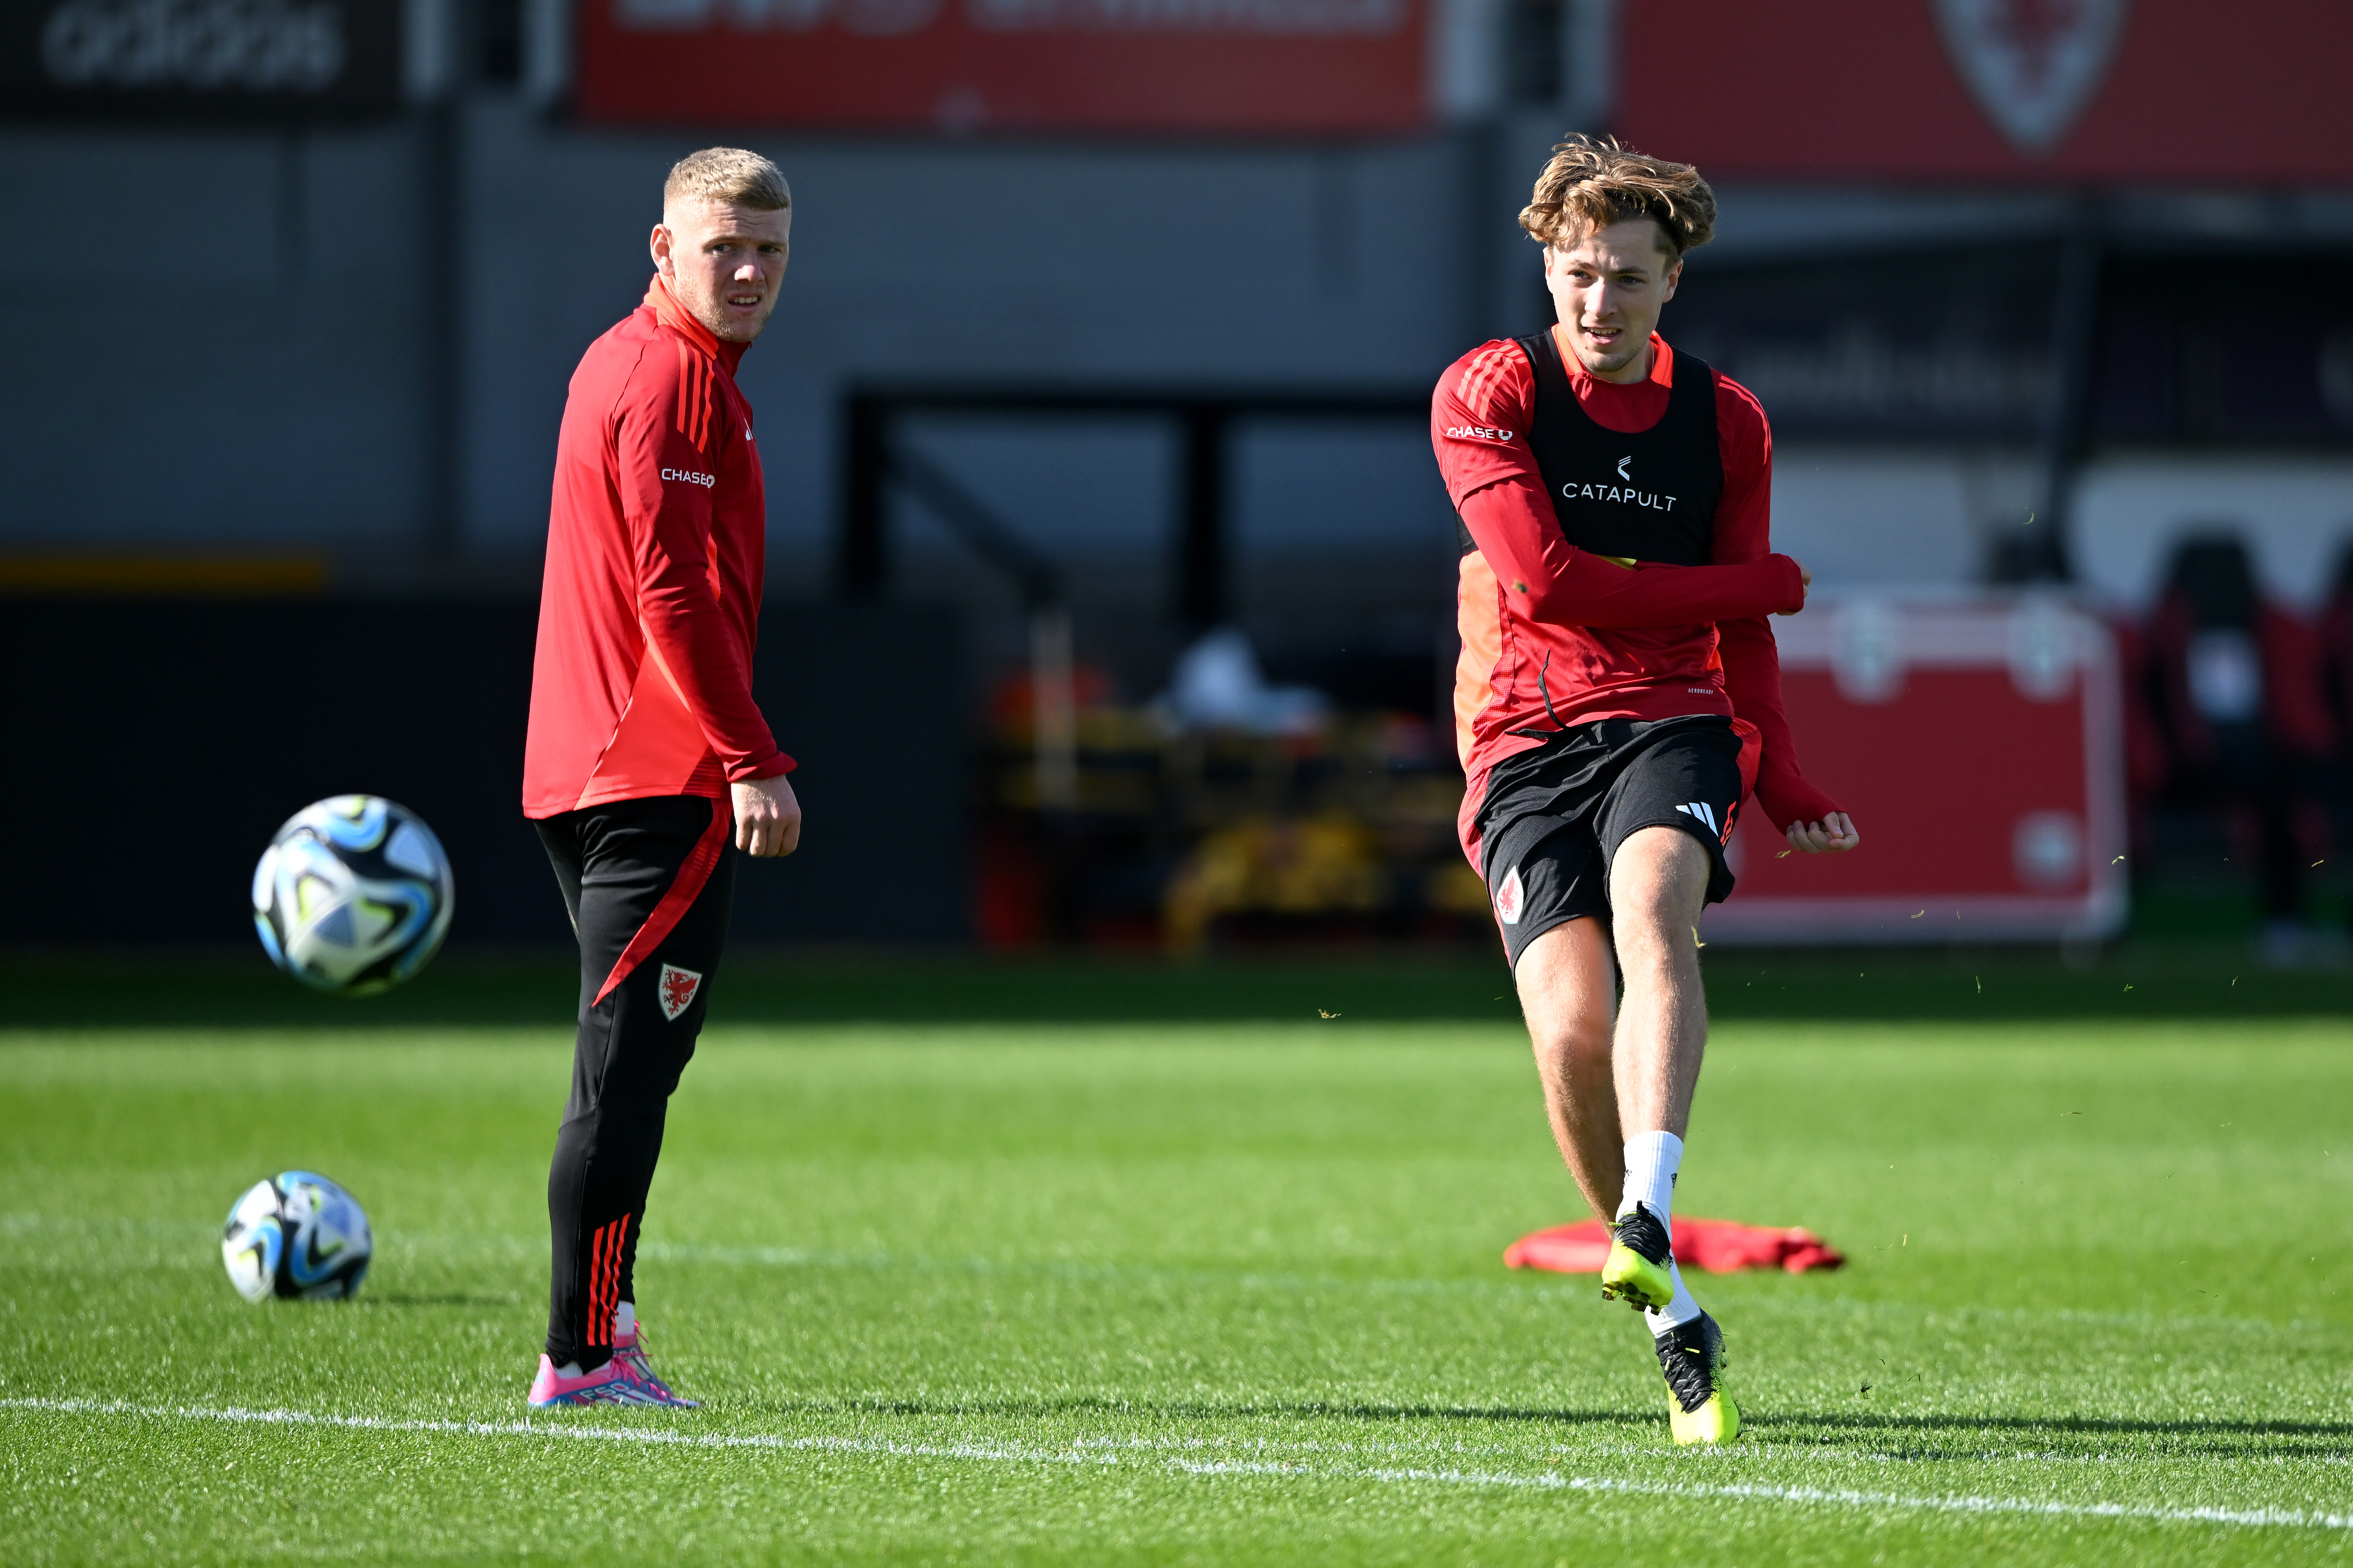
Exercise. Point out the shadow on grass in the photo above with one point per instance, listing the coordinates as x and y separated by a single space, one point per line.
2190 1438
1340 991
1887 1434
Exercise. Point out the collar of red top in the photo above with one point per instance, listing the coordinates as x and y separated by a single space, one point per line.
1663 363
674 315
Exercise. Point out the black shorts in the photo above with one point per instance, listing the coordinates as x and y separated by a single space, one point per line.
1554 815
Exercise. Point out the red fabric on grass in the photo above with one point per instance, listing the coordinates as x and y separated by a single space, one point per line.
1715 1246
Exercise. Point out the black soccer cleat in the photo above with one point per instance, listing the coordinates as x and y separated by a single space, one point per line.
1699 1407
1638 1269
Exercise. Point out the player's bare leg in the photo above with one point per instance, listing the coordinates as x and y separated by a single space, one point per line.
1658 884
1607 1069
1569 994
1608 1073
1657 880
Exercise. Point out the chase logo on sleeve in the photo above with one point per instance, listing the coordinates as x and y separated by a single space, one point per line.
1479 433
688 475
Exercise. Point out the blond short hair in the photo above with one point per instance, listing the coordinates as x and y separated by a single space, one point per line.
728 174
1592 183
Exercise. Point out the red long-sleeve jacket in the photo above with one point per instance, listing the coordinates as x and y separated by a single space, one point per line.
1650 642
2293 701
657 541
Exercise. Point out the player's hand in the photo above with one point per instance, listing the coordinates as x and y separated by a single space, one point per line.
1835 831
1805 580
768 817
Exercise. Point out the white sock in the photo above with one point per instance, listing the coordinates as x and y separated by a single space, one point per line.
570 1369
1651 1161
1679 1307
625 1321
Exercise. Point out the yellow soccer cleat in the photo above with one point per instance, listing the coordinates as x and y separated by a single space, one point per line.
1699 1407
1637 1270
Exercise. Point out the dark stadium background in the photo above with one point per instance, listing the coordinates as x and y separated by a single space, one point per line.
283 362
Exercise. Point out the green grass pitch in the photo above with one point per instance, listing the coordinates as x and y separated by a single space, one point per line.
1208 1292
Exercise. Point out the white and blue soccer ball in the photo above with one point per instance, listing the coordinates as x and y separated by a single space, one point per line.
298 1235
353 895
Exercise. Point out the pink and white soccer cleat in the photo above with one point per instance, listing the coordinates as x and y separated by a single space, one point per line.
629 1350
612 1383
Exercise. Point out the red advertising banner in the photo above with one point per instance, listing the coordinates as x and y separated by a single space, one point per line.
2165 91
1196 66
1981 748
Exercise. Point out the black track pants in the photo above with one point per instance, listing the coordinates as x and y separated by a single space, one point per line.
647 883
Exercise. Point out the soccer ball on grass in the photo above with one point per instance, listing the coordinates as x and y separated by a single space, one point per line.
298 1235
353 895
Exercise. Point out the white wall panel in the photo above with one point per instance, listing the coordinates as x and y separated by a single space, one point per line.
1857 517
2296 514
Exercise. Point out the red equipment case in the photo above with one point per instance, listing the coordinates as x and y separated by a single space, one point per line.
1979 744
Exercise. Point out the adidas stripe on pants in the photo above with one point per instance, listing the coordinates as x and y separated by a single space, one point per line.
648 884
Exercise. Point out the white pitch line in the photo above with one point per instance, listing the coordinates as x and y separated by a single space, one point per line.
236 1415
1008 1454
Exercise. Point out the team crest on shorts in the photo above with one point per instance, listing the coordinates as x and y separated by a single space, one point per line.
677 989
1509 899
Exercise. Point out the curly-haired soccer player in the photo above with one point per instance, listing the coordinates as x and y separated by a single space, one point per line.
647 754
1619 696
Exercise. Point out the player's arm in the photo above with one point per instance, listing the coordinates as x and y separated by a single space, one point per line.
1793 802
1479 417
1552 581
1808 817
670 518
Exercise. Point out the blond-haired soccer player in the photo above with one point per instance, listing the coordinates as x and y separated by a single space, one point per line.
1619 696
646 756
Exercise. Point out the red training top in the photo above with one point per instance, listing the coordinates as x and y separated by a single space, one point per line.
1653 642
656 537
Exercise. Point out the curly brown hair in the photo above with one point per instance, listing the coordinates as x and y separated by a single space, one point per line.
1592 183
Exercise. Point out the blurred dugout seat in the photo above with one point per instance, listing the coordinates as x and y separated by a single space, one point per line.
2230 714
2337 652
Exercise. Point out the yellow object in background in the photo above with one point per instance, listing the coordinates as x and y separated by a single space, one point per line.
1329 863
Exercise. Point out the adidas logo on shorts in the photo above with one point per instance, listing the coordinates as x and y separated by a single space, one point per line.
1706 813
